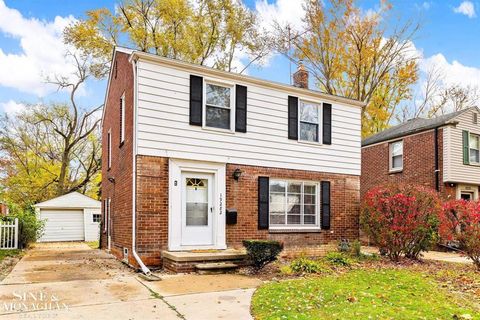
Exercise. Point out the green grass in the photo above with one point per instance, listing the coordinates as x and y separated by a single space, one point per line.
359 294
9 253
93 244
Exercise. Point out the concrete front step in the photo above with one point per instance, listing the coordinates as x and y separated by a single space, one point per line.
186 261
215 267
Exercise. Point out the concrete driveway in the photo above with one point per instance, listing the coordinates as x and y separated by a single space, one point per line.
73 281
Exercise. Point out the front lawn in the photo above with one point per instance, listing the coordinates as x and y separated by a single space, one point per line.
388 293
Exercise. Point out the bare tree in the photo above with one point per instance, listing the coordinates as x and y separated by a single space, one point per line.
437 97
51 149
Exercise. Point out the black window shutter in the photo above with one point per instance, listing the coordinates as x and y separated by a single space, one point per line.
327 123
240 108
325 196
292 118
263 202
196 100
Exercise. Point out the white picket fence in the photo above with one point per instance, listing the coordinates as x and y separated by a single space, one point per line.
9 234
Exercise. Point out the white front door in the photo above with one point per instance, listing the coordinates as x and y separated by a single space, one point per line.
197 209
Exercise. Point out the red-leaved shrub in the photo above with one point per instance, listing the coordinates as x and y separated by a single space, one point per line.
401 219
460 222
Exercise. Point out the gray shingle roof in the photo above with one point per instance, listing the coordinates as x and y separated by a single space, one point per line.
411 126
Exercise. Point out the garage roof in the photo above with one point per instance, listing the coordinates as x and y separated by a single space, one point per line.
70 200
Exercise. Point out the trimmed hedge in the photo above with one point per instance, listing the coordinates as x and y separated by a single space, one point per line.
262 252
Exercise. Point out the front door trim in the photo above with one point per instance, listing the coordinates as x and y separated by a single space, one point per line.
176 167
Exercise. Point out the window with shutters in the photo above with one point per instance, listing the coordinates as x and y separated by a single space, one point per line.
396 156
219 106
309 121
474 147
122 119
294 204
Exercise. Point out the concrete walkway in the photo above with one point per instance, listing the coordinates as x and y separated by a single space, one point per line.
432 255
73 281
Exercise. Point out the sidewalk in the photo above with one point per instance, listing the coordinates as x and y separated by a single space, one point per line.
431 255
223 296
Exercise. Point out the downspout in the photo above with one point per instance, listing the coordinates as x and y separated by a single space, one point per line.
437 170
144 268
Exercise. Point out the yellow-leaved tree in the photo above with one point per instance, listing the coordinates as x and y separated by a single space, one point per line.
215 33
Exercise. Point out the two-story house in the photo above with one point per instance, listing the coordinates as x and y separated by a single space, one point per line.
197 160
441 153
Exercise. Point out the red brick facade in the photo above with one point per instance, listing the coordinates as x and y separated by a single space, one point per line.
418 163
119 192
152 208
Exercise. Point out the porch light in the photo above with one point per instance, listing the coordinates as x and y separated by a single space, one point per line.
237 173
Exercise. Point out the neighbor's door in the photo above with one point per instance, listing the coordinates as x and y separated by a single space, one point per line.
197 209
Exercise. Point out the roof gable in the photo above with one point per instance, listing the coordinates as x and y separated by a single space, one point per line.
70 200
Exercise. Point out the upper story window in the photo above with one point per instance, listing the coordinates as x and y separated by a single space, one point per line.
122 118
309 121
109 149
218 106
474 146
293 204
396 156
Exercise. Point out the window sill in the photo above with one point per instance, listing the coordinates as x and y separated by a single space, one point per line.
392 171
296 230
474 164
218 130
310 142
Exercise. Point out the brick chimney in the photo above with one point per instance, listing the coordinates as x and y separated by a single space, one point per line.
300 77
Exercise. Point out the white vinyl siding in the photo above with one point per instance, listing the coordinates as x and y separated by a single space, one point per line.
453 168
163 128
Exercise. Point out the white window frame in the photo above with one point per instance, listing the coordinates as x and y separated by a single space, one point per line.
286 226
390 156
99 217
225 84
320 121
122 128
109 148
106 212
470 148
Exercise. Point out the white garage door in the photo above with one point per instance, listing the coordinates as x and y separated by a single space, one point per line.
62 225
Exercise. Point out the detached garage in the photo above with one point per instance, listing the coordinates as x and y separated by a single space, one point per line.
71 217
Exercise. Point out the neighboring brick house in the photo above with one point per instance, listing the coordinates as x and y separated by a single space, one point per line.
441 153
196 159
3 209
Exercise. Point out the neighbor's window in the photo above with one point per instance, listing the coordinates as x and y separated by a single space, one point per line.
96 217
293 204
396 155
474 148
309 121
218 106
